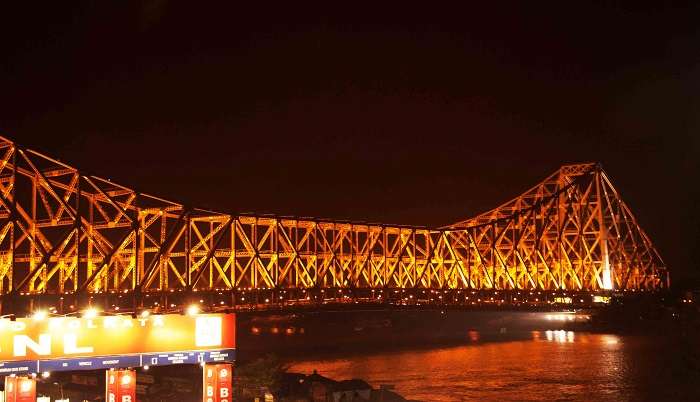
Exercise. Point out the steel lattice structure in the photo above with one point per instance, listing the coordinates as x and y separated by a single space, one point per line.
570 231
63 232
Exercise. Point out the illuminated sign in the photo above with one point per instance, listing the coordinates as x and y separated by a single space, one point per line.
20 389
120 386
218 383
72 343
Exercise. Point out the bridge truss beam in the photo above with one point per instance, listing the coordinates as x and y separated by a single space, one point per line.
63 232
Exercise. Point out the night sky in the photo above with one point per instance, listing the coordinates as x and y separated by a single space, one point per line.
397 114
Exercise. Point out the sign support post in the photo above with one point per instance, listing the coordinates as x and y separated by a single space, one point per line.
20 389
120 385
217 382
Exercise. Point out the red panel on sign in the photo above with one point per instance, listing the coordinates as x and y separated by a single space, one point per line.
120 386
127 386
209 383
218 383
111 381
10 389
20 389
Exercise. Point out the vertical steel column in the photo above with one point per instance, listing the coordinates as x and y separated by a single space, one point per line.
607 282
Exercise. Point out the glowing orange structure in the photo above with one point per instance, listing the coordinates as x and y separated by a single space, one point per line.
63 232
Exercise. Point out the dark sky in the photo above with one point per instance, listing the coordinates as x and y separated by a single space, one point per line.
399 114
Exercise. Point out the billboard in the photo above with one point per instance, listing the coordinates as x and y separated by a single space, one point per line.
218 382
73 343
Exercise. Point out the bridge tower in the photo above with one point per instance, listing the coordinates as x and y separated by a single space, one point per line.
576 224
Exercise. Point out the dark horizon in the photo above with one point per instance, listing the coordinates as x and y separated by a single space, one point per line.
394 115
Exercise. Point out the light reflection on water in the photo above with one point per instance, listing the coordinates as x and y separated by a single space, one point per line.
555 336
546 366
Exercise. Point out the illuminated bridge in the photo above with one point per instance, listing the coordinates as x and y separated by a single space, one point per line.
68 238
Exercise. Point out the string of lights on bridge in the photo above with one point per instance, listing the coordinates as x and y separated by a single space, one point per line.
249 299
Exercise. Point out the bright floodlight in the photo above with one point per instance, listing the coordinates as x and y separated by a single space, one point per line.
40 315
192 309
90 313
25 385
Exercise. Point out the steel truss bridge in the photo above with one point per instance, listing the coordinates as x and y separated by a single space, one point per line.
70 238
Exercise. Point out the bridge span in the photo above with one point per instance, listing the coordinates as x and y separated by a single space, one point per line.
69 239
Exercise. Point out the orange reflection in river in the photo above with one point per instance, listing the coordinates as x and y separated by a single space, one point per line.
572 366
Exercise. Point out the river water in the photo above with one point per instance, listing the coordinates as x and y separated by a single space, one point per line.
545 366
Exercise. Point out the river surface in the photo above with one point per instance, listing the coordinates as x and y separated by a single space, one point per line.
545 366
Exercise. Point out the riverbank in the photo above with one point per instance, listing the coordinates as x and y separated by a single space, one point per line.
314 387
